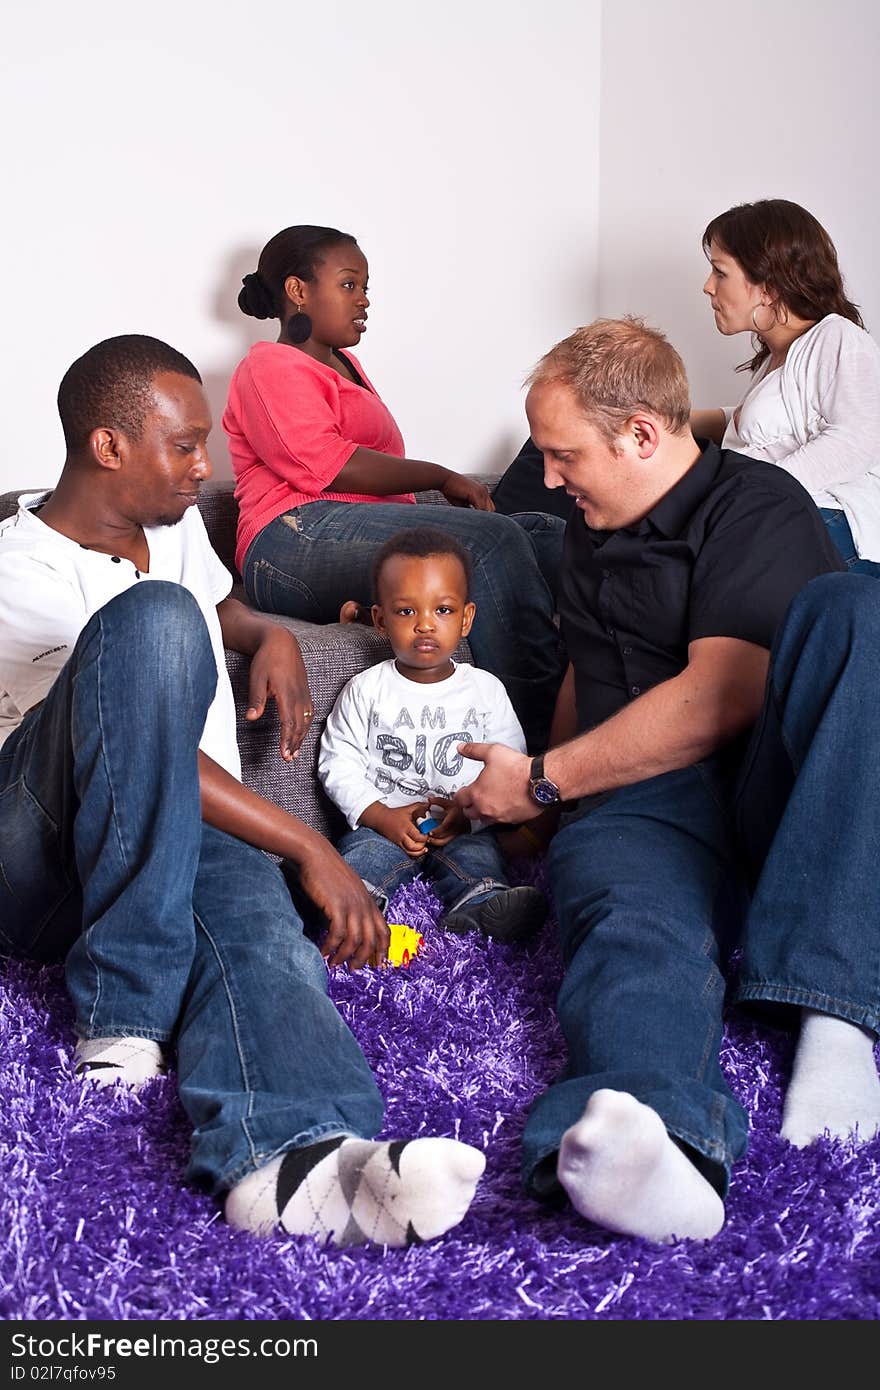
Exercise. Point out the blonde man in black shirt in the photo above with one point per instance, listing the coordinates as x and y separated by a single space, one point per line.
716 729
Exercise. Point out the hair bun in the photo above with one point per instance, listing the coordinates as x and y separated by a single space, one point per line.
255 298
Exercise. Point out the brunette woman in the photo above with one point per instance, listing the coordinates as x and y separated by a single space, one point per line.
813 403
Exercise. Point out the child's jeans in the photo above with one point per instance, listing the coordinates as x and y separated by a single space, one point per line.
467 870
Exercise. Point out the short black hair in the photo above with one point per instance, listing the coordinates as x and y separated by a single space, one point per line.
295 251
419 542
110 386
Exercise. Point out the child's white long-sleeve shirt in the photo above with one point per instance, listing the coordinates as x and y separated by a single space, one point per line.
395 740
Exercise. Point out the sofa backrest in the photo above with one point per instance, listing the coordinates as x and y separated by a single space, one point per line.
9 503
219 510
216 504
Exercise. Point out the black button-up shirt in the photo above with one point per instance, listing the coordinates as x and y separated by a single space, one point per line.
721 555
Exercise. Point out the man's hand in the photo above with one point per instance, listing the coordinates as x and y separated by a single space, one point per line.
454 822
465 492
357 933
277 672
501 792
398 824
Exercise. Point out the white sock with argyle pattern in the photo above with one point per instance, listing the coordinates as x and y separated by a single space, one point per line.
355 1191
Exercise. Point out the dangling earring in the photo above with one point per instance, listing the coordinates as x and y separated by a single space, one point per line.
761 331
299 326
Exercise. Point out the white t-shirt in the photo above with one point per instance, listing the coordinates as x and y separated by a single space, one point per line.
50 586
394 740
818 417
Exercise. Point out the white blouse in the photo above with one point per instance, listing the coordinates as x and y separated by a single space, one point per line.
818 417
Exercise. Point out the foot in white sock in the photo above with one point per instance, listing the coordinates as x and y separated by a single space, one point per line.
621 1170
356 1191
102 1061
834 1083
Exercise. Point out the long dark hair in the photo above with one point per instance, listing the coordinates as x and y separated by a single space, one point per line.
781 245
295 251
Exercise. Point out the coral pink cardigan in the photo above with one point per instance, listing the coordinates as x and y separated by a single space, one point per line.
292 423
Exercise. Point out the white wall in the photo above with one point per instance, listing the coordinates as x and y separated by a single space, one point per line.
706 104
152 149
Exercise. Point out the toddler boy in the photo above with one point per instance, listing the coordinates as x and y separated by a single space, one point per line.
389 755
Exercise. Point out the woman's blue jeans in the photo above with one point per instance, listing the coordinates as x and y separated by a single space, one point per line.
169 928
840 532
467 870
650 885
309 561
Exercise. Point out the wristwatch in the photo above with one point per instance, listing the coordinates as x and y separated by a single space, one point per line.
541 789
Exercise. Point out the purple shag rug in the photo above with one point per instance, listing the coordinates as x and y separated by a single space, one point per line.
97 1222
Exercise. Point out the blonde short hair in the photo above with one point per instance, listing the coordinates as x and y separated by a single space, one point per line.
616 367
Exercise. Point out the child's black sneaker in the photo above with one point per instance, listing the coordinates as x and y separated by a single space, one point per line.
510 915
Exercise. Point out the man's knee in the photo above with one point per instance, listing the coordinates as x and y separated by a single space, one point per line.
152 643
161 623
847 603
157 605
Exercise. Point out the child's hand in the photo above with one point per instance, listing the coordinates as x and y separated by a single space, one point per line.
454 822
398 824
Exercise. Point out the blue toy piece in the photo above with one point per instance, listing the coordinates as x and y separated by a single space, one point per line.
432 819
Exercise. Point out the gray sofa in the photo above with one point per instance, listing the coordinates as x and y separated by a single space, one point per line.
332 653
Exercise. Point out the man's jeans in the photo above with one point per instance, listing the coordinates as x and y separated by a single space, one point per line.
647 888
171 930
307 562
466 871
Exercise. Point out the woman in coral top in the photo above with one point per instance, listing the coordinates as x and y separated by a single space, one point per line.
322 480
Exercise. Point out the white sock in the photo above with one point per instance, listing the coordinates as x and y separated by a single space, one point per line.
102 1061
355 1191
834 1083
621 1170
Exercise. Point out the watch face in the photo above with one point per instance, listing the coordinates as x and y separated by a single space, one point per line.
545 791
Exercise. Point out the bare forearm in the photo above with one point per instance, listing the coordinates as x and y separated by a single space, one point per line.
243 628
708 424
369 471
716 697
674 725
235 809
373 818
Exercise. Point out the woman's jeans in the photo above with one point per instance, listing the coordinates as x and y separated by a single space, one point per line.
171 929
469 869
842 536
309 561
647 883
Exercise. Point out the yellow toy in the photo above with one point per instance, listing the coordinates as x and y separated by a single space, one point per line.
404 944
